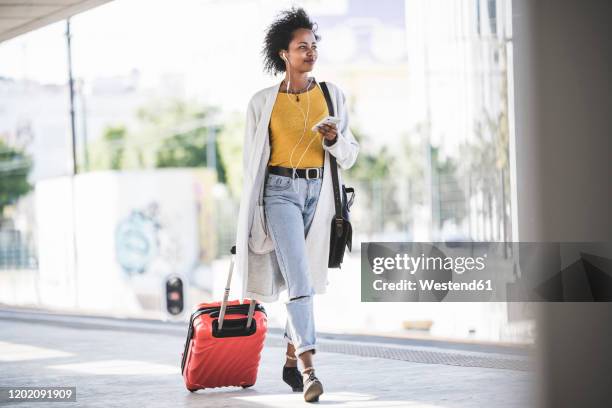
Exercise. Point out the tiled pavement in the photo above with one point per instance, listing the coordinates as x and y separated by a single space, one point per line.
136 364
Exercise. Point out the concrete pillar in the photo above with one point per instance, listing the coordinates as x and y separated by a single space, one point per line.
563 174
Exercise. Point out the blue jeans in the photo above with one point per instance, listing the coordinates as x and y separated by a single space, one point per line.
290 206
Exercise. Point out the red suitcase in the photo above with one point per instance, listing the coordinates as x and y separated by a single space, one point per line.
224 342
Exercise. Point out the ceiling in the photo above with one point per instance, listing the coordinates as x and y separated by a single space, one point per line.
19 17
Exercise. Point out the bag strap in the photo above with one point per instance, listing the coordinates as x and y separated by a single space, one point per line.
334 168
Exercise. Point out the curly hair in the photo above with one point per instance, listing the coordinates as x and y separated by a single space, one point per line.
280 33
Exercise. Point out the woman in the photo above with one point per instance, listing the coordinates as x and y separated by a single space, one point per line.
287 205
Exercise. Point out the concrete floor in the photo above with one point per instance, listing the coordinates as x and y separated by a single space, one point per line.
114 367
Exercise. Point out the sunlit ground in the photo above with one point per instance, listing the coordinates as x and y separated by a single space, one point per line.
23 352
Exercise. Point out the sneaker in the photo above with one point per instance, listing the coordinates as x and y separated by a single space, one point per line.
312 386
292 376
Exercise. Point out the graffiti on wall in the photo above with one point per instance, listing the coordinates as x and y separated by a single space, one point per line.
147 242
137 240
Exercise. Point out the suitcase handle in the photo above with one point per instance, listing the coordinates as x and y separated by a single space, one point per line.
226 295
233 328
213 311
232 310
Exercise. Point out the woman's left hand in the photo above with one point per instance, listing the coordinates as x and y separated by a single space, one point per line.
329 131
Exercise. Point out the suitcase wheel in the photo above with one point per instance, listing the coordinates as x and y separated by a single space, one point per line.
247 386
192 389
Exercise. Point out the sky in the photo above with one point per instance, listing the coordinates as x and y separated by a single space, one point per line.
116 37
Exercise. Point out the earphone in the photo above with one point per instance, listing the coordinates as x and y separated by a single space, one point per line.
283 56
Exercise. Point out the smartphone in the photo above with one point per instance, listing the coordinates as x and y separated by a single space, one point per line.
327 120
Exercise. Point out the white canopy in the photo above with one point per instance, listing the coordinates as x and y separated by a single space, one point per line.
20 17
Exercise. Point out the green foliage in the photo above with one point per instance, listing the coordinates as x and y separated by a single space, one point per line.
370 165
183 150
115 140
190 150
450 194
487 157
230 139
488 152
168 133
15 166
410 162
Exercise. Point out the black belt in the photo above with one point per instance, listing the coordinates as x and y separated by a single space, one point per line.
309 173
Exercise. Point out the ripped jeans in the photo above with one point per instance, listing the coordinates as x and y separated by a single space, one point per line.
290 206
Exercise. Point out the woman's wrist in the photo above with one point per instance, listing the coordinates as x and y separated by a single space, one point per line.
331 142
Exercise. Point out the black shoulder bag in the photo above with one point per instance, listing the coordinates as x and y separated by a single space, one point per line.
341 229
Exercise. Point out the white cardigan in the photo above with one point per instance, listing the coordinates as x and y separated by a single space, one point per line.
256 262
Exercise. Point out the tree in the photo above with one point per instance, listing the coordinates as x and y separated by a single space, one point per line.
376 191
488 157
230 141
370 164
169 133
486 167
190 149
450 196
15 166
115 141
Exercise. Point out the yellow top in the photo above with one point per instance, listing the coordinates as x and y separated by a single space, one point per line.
287 126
